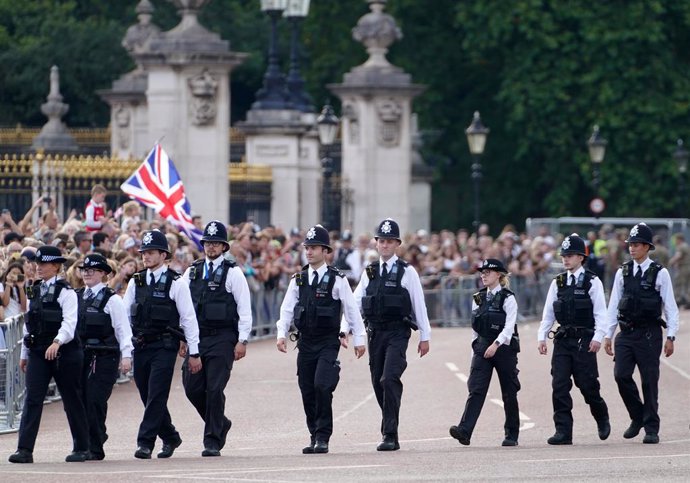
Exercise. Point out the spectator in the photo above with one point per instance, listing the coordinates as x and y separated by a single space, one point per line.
95 209
82 244
12 289
131 213
102 244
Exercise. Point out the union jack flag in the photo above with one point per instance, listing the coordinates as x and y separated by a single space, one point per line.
157 184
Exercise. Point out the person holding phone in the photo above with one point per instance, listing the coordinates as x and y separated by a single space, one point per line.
12 290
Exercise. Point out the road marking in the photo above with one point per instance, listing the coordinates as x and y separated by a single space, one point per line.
677 369
523 416
461 376
547 460
452 367
355 407
217 475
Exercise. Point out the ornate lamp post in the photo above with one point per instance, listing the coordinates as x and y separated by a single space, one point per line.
680 155
327 124
476 138
597 150
295 12
273 94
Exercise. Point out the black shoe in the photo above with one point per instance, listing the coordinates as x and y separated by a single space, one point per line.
320 447
604 428
308 449
94 456
224 434
143 453
168 449
210 452
388 444
509 442
651 438
21 456
460 435
560 438
77 456
633 430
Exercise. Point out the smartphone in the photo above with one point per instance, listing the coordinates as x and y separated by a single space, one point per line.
20 277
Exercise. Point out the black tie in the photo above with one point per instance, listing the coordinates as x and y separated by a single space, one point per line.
44 289
315 280
638 275
572 279
153 279
88 294
210 270
384 270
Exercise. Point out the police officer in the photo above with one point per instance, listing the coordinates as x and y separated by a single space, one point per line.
160 305
314 301
391 297
495 345
223 308
104 330
641 292
576 300
51 350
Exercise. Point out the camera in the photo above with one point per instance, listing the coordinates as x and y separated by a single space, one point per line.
47 199
20 277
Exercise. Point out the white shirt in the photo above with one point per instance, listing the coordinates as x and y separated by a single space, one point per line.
663 286
179 293
118 319
351 321
510 308
236 284
13 306
69 305
596 294
410 281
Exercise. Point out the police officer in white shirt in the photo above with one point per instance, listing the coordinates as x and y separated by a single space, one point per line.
51 350
104 330
391 298
576 300
314 301
642 292
223 306
160 305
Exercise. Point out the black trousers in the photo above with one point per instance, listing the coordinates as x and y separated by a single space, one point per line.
66 370
99 374
387 362
318 373
481 370
154 365
641 348
572 361
205 389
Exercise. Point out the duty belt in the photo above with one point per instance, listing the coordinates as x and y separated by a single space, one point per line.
571 332
210 332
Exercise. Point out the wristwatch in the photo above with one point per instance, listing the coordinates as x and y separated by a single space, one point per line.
194 356
57 341
342 335
497 343
672 338
244 342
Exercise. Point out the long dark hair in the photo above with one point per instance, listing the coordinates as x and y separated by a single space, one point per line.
14 294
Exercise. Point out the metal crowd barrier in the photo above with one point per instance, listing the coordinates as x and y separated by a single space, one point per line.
11 377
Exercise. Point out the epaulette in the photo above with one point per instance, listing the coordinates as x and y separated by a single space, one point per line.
61 282
507 291
337 271
173 274
402 262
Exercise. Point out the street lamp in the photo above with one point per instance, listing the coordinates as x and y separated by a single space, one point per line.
273 94
295 12
476 138
597 150
327 124
680 155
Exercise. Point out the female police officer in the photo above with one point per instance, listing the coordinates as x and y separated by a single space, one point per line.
495 346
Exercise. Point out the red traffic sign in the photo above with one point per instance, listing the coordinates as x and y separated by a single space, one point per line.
597 205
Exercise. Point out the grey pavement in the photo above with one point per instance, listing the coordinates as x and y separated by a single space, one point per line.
269 430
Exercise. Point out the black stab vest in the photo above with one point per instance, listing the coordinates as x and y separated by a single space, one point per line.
317 313
94 326
215 308
573 306
153 311
45 314
640 304
489 319
386 302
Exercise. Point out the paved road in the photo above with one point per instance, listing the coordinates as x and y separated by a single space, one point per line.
269 430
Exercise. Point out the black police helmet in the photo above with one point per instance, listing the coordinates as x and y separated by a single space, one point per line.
215 231
573 245
96 261
493 264
318 235
388 228
154 240
49 254
641 233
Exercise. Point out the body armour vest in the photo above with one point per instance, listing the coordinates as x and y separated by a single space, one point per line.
489 319
94 326
153 311
317 312
215 307
640 304
573 306
386 301
45 314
